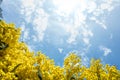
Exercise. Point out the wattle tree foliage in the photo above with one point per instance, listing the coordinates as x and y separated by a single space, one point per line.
18 63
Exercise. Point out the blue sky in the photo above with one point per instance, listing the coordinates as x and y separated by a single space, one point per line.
91 28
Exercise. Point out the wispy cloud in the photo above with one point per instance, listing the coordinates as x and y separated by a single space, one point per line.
87 33
99 22
73 36
40 22
34 38
26 34
108 5
27 9
91 6
86 41
33 13
60 50
78 26
106 50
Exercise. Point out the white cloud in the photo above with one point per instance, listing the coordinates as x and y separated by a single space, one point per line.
34 38
74 29
33 13
106 50
98 10
71 30
91 6
99 22
106 6
78 26
86 41
66 7
73 36
79 18
87 33
60 50
26 35
40 22
27 9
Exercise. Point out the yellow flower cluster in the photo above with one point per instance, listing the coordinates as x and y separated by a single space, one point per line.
18 63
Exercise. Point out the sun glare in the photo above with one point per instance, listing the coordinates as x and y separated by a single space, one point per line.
66 6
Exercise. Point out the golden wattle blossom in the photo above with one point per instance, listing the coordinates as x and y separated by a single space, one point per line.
17 62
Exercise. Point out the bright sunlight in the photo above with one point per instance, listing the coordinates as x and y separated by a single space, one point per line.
68 6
